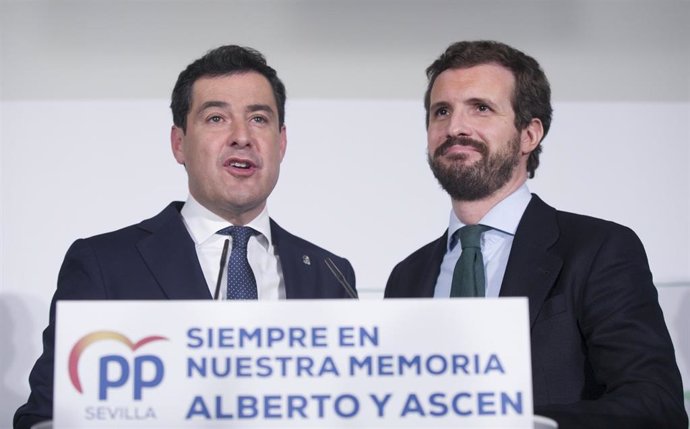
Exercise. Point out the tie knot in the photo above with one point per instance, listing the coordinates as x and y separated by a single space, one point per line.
240 235
470 235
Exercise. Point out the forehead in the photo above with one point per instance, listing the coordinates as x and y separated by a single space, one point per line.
491 81
246 88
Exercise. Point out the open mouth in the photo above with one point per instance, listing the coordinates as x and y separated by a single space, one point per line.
240 166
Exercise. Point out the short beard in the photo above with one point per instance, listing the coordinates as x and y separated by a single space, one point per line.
478 180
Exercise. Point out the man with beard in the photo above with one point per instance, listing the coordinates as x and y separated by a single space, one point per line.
601 354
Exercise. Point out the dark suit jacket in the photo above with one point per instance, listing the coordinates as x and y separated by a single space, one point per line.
601 353
156 259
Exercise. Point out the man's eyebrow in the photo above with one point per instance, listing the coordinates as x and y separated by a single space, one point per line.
260 108
213 103
438 104
481 100
224 105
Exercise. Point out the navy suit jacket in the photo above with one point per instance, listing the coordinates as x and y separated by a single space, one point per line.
156 259
601 354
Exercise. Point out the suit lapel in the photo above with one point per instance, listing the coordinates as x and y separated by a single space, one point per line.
296 265
170 255
433 268
532 267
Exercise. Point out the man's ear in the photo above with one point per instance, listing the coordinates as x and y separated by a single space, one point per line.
531 136
283 141
177 143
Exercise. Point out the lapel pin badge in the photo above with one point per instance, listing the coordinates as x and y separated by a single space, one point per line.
306 260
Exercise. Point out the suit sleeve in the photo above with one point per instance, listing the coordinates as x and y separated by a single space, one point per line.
79 278
392 287
627 345
348 272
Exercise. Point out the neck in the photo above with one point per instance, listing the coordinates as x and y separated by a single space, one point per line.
471 212
238 216
241 218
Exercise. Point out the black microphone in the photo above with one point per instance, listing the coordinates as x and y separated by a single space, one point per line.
223 256
351 292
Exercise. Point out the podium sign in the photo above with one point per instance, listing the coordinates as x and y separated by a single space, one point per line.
405 363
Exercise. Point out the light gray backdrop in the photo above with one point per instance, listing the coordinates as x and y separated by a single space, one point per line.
84 127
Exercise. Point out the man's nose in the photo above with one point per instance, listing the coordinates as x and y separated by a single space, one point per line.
459 125
240 135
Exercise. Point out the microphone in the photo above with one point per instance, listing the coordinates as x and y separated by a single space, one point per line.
351 292
223 257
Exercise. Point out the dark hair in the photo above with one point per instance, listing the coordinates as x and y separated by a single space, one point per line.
225 60
532 94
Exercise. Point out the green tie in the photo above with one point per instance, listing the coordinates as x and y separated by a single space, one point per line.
468 276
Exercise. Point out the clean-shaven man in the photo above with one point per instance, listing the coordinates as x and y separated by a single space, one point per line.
229 134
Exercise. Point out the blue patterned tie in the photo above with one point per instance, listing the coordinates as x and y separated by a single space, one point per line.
241 281
468 277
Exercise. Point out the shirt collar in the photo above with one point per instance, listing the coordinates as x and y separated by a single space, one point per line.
504 216
203 224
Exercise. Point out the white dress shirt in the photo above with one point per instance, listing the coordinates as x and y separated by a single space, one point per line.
203 225
496 243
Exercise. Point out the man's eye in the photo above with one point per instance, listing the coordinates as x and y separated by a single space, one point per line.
259 119
483 108
215 118
441 111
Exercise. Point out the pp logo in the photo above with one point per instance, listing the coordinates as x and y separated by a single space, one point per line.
114 370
